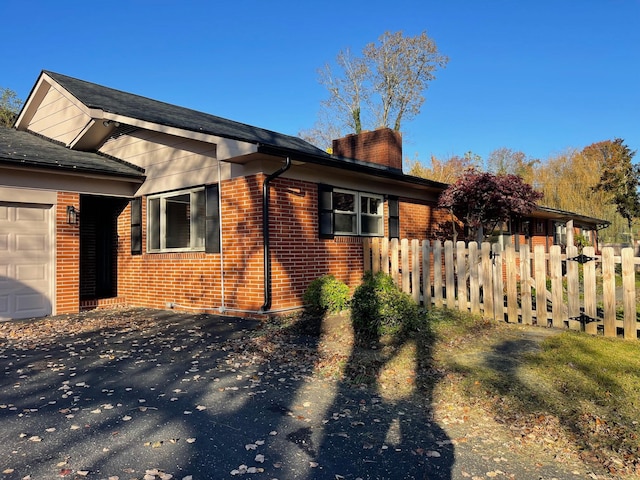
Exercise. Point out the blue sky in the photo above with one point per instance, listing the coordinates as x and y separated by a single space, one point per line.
538 76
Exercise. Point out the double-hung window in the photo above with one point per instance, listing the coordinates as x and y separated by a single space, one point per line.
176 221
348 212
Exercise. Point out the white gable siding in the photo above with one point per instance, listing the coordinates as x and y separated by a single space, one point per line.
170 162
58 118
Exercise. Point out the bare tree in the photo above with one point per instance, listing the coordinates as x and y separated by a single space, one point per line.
402 68
384 87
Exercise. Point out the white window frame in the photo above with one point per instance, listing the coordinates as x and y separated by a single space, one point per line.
194 235
359 214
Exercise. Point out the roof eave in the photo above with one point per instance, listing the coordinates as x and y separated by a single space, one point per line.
360 167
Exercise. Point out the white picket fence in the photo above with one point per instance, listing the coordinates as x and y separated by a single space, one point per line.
576 290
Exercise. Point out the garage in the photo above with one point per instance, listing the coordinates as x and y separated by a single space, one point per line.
26 258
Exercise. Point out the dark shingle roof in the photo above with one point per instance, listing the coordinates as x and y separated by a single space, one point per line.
142 108
27 149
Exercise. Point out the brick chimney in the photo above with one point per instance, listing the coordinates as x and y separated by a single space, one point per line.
382 146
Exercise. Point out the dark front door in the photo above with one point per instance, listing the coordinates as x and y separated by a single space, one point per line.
98 246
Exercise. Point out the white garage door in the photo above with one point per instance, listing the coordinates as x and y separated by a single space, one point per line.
25 260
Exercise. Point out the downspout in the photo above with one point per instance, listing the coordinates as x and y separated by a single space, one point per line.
265 234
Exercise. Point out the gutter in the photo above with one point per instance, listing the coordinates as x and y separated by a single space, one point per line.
265 233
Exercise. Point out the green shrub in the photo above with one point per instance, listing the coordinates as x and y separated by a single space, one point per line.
326 295
379 307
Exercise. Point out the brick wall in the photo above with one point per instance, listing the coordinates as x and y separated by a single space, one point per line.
298 255
67 256
420 219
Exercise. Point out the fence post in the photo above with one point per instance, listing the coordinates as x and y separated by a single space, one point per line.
629 294
426 274
525 284
609 292
474 287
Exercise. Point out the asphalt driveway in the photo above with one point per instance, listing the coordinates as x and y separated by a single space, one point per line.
156 395
144 394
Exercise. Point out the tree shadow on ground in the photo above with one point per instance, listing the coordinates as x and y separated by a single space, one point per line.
388 432
170 393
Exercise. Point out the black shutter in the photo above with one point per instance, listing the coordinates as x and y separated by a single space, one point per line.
136 226
212 220
325 211
394 217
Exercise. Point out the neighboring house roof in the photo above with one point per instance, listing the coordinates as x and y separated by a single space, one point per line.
26 149
557 214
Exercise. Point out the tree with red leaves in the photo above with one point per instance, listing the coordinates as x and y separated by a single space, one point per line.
483 200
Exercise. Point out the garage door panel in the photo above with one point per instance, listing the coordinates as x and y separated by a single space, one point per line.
31 215
30 273
29 303
25 260
31 243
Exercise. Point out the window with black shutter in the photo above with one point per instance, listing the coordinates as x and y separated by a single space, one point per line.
136 226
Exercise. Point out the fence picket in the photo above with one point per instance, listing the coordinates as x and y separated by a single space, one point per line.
555 270
415 270
629 294
609 292
461 263
404 254
512 284
540 265
525 284
487 280
474 285
573 289
590 301
473 278
395 268
437 273
384 253
375 255
366 243
450 285
426 273
498 282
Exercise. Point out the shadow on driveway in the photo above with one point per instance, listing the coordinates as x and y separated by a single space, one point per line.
159 394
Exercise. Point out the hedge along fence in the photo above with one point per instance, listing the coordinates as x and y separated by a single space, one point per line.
575 290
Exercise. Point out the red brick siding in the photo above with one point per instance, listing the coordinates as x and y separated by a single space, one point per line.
67 263
298 255
420 219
